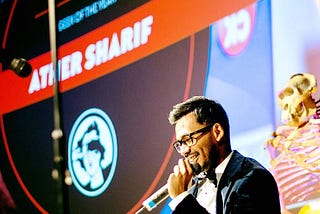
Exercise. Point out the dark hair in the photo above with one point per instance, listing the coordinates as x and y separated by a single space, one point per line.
207 112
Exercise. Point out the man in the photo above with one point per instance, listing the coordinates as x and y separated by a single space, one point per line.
203 139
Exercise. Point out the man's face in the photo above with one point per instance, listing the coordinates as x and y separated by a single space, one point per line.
204 152
91 161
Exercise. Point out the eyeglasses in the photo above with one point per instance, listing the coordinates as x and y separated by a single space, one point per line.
189 140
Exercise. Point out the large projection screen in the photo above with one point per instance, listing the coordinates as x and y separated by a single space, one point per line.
122 65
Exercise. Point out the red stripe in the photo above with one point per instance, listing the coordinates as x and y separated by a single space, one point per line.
190 69
8 24
46 11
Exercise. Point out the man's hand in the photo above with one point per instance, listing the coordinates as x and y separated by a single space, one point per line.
179 180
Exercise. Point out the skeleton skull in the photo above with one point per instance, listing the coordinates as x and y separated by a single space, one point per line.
296 99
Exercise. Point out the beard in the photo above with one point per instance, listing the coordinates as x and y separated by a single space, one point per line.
212 162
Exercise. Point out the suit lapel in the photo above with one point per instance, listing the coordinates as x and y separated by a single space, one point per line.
226 182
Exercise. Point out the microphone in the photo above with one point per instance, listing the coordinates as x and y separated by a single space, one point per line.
162 194
20 66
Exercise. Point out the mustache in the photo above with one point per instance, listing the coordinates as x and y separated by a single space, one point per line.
195 153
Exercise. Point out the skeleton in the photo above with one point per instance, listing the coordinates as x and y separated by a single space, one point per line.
296 99
295 147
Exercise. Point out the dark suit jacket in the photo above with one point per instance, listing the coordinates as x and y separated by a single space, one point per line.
246 187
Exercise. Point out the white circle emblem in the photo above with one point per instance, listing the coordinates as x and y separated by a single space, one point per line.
92 152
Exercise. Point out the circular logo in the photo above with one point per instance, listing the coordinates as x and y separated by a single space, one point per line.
234 31
92 152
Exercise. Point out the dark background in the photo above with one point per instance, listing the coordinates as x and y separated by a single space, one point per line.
137 98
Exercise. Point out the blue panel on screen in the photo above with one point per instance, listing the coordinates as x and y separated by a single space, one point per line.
240 76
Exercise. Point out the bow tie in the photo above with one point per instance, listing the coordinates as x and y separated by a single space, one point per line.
211 175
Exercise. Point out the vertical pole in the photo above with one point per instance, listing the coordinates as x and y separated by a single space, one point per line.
59 173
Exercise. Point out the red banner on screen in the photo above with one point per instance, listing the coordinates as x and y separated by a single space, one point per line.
143 31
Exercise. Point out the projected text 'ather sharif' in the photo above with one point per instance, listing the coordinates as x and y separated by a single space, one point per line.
95 54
